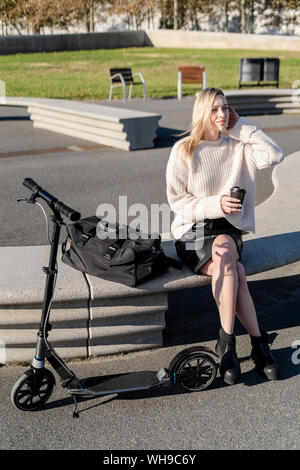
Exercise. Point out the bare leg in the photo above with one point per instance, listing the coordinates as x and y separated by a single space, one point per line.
225 280
245 310
225 290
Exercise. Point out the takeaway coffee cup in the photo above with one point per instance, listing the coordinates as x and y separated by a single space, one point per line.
238 193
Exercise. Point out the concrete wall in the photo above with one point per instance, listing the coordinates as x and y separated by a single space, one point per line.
71 42
207 40
158 38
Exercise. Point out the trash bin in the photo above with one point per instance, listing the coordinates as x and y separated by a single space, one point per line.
271 70
259 72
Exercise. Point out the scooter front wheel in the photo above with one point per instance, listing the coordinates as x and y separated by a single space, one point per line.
33 389
195 371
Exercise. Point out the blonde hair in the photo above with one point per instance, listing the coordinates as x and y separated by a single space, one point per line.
201 112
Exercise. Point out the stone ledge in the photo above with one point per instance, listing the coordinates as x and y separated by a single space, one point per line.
122 128
263 101
217 40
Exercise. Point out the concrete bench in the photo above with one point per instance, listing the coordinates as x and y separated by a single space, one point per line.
121 128
91 316
255 102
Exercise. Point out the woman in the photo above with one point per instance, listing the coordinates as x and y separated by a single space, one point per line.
201 170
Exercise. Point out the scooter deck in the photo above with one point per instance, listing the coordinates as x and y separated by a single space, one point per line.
117 383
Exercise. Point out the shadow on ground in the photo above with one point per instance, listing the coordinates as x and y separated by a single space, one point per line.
166 137
192 315
250 379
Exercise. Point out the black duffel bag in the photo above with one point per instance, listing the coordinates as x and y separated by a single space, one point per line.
118 258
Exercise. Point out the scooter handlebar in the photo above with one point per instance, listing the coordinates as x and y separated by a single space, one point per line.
51 200
30 184
67 211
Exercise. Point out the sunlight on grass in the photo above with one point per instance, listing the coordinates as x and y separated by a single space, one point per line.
82 75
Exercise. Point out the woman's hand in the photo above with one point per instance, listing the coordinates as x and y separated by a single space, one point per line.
230 204
233 117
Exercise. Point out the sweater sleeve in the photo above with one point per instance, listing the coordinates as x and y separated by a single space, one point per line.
259 147
188 206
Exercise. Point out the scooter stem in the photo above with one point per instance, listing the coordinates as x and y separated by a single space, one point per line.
51 273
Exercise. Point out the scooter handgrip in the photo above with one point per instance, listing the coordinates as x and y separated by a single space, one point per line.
30 184
67 211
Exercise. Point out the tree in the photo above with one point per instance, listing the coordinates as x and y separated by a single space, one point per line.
277 13
33 16
175 9
135 11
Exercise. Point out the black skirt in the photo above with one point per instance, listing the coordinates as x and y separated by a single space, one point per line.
195 250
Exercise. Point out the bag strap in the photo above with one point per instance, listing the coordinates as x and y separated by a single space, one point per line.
86 236
113 248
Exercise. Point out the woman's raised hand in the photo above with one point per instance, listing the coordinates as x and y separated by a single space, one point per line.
233 117
230 204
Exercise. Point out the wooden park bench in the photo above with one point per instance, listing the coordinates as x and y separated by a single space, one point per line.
123 77
190 74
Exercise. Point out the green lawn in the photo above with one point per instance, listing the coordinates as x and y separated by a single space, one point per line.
84 74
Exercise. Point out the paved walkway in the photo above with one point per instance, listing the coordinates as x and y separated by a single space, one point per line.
70 167
250 415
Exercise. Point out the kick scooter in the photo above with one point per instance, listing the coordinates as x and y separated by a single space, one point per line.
193 368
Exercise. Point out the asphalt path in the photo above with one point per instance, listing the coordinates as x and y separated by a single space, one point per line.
253 414
86 179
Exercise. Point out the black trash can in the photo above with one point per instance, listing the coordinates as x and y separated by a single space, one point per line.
251 70
271 70
259 72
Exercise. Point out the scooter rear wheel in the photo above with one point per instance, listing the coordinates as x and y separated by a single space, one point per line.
33 389
195 371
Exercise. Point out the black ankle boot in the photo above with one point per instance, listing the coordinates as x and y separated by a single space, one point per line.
230 367
263 358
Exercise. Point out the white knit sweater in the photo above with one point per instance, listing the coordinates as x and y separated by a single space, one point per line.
195 187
